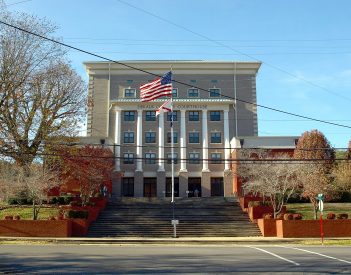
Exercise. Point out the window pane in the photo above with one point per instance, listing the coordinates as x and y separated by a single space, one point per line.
175 137
129 93
150 158
174 92
175 116
215 115
169 158
216 137
193 93
216 158
194 137
194 116
128 158
194 158
128 137
129 115
150 137
150 116
215 92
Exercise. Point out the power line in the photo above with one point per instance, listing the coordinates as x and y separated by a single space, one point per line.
231 48
175 81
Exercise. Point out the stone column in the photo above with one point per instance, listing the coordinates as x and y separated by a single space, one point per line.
226 140
139 151
161 142
117 140
182 142
204 142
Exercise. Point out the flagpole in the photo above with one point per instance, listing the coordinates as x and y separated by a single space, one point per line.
172 153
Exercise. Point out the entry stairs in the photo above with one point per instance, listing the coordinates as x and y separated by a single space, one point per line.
198 217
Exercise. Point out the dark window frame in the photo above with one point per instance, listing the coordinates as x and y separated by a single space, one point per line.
128 137
194 137
129 116
194 116
215 115
150 116
216 137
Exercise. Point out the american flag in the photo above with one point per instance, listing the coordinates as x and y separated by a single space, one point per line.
158 88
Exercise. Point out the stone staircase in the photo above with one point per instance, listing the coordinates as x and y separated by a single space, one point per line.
198 217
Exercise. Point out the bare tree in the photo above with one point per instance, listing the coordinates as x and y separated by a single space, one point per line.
41 96
270 174
32 182
314 175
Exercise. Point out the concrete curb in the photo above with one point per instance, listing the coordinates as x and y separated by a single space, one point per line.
199 241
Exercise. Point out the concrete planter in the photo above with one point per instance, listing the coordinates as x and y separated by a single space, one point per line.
311 228
40 228
79 227
244 202
267 227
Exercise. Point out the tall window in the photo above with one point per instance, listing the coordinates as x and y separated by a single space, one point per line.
150 137
193 92
174 92
216 137
129 93
128 187
215 115
175 116
194 158
128 137
194 137
175 137
128 158
129 115
216 158
169 158
194 116
214 92
150 158
150 116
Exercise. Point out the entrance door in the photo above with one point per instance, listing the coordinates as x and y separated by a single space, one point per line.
194 187
150 187
169 187
128 187
217 187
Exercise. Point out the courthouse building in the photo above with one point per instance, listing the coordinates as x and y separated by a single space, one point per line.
205 124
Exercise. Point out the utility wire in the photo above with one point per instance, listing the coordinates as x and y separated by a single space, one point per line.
175 81
231 48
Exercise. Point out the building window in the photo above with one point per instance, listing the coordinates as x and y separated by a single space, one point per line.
215 116
150 158
129 93
193 92
169 158
194 158
214 81
174 92
150 116
150 137
129 115
175 116
214 92
128 137
175 137
128 158
194 116
194 137
216 158
216 137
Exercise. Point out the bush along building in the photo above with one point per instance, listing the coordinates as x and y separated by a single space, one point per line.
207 121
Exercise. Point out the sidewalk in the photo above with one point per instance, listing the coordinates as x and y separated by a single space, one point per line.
174 241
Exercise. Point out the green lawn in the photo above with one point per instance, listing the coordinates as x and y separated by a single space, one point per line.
26 212
307 211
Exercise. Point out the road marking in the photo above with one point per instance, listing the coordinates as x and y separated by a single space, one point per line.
275 255
312 252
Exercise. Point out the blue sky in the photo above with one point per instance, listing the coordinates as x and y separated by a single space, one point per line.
305 47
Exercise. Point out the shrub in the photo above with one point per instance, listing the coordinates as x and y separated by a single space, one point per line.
331 216
75 214
268 216
21 201
61 200
342 216
258 203
51 218
297 216
75 203
288 216
8 217
17 217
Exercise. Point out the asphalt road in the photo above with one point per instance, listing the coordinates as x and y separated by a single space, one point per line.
169 259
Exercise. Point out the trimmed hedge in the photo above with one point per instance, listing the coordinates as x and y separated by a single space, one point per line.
78 214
